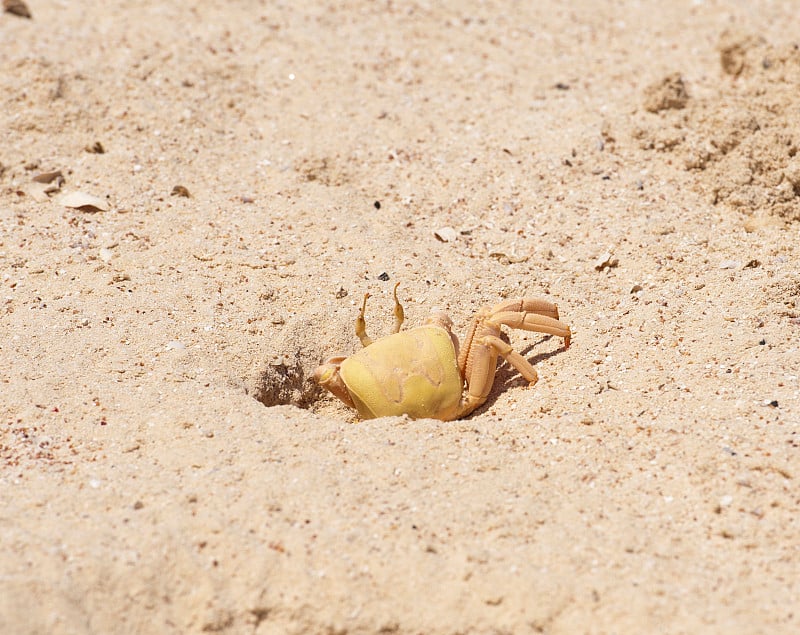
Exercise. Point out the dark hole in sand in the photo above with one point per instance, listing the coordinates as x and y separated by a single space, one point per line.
287 384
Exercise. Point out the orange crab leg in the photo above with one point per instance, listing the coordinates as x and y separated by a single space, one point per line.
527 305
482 369
399 315
531 322
361 324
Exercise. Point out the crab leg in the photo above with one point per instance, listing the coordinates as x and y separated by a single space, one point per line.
361 324
512 357
328 376
482 369
399 315
527 305
480 380
531 322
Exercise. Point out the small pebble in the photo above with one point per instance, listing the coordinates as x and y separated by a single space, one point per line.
17 7
606 261
95 148
180 190
49 177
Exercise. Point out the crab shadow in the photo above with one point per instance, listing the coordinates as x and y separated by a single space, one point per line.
507 377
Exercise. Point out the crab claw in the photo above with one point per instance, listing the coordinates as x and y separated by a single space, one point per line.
327 375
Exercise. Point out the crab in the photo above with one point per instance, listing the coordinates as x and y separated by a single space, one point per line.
424 372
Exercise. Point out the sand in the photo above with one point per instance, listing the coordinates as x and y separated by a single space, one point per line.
253 169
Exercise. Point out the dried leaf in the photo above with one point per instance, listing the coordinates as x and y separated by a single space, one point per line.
84 202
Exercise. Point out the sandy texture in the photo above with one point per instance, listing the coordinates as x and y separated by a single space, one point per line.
166 464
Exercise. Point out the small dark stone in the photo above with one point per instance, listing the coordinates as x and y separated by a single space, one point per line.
384 277
49 177
180 190
377 204
17 7
774 403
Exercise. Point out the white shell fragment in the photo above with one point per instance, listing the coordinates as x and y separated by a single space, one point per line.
83 201
45 184
607 260
445 234
40 192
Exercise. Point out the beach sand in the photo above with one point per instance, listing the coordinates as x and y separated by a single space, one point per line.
235 176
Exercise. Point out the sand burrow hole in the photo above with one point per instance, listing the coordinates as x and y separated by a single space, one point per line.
285 374
287 382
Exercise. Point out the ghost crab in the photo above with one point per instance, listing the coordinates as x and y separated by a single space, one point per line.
421 372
